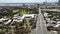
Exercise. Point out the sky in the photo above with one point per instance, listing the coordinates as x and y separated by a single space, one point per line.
26 1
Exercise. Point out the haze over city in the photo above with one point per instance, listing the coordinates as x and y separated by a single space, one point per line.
26 1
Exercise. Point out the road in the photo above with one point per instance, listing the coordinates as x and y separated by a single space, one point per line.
41 26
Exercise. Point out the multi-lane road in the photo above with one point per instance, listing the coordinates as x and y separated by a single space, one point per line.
41 27
41 24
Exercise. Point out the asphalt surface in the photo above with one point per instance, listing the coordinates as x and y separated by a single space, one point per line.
41 26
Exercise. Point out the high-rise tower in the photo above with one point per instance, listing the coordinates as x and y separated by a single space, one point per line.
58 2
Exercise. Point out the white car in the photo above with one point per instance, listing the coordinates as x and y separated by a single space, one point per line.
57 25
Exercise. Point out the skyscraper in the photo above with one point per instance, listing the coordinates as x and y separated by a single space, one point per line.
58 2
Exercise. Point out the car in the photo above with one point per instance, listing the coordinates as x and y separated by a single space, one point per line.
54 29
49 28
57 25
